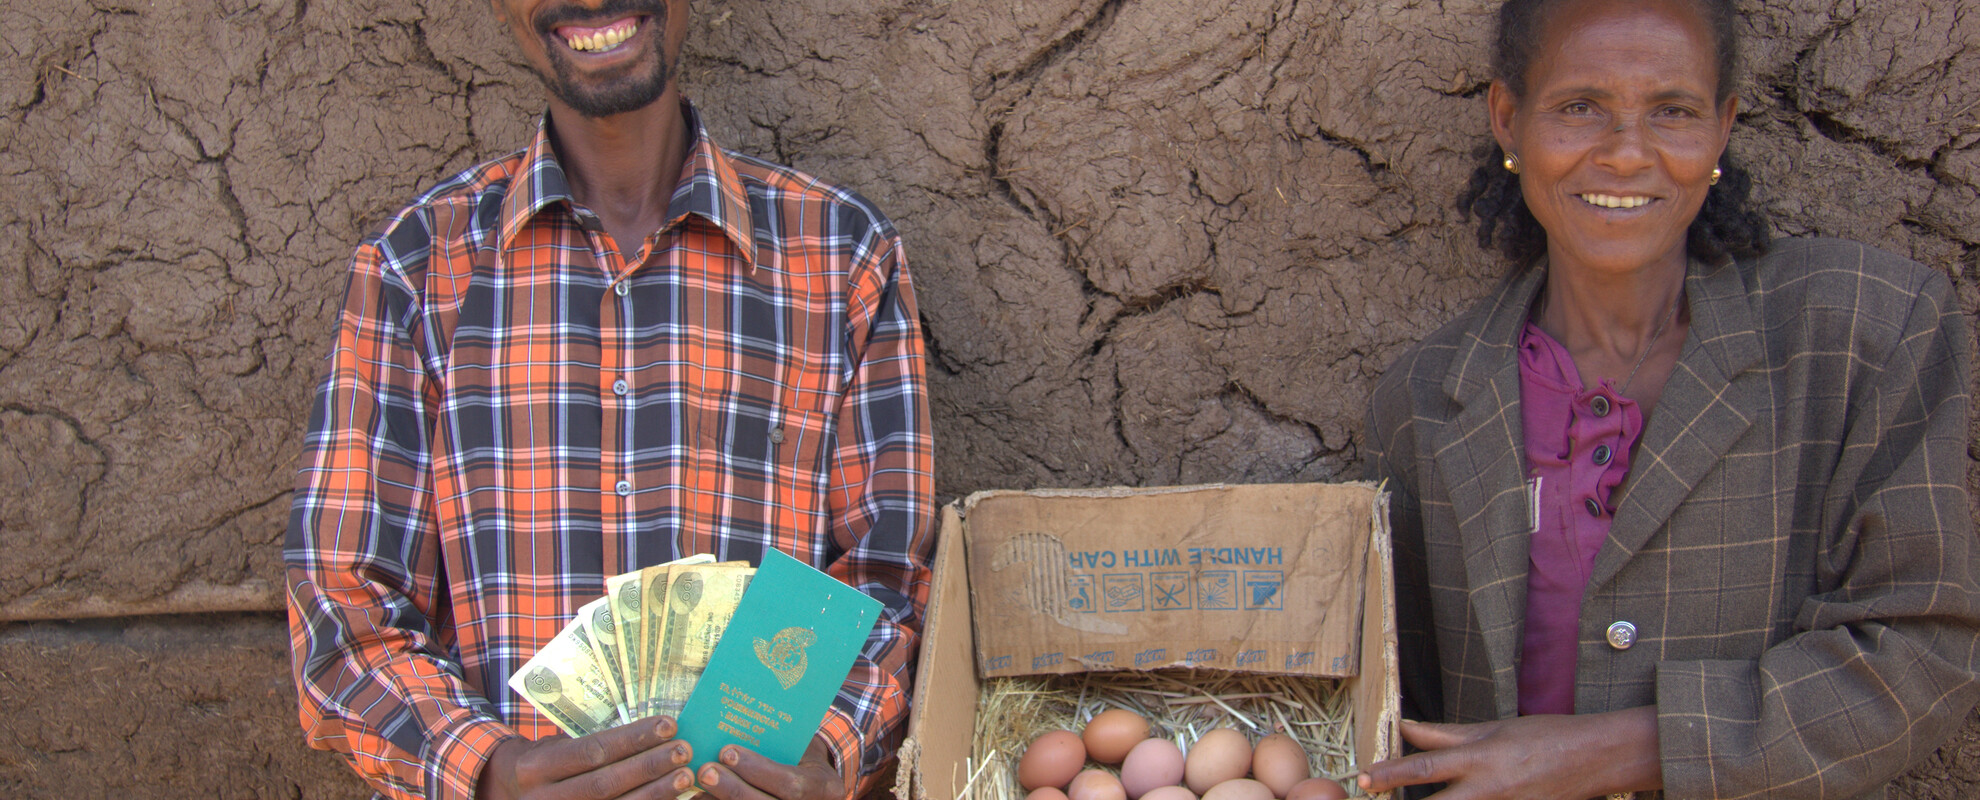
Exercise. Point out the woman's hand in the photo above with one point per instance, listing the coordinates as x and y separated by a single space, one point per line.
629 761
1542 757
741 774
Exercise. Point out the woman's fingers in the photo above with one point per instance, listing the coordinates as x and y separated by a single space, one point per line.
1438 736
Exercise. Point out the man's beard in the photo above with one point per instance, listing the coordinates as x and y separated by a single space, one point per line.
621 93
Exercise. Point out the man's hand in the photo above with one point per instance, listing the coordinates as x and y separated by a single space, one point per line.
629 761
1542 757
740 774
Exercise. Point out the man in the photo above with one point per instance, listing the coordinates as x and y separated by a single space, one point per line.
616 347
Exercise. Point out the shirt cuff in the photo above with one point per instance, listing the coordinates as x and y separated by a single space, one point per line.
843 739
1701 709
459 755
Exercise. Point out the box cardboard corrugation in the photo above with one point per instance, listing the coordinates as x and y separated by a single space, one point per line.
1318 530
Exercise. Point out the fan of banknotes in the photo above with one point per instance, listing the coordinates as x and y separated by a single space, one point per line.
637 651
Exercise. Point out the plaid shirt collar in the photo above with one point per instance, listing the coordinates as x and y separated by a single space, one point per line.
709 187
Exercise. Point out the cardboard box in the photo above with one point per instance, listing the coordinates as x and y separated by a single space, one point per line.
1021 586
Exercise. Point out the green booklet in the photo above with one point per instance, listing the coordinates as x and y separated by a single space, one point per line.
777 667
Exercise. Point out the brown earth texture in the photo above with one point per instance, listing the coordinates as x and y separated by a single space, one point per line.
1156 242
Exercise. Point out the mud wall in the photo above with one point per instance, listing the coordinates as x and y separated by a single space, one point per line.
1157 241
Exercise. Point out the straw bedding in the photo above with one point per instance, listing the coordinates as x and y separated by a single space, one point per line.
1179 704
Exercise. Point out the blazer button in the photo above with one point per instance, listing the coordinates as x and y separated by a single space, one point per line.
1622 635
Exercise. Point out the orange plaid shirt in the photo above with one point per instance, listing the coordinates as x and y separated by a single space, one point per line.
514 411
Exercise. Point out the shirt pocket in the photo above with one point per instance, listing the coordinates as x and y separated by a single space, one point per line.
776 466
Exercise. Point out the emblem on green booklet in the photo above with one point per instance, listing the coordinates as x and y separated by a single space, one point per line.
784 654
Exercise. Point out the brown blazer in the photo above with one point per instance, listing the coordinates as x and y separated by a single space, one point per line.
1793 542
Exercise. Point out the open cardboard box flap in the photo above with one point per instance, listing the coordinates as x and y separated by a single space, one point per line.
1007 600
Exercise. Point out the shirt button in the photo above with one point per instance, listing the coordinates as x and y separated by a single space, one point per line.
1621 635
1602 452
1600 404
1594 508
619 387
624 488
622 289
776 435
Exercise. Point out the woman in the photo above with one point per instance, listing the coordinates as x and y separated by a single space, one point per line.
1676 509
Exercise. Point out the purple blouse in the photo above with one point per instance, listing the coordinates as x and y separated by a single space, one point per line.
1577 453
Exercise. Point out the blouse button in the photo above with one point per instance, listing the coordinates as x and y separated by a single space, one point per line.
1600 404
1621 635
1594 508
1602 453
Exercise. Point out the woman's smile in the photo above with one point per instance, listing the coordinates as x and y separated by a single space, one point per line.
1616 134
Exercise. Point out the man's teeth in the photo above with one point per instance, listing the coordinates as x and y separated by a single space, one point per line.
1611 201
605 39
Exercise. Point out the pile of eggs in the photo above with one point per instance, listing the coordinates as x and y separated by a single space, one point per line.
1054 766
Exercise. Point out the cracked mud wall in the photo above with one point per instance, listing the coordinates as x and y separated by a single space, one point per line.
1156 241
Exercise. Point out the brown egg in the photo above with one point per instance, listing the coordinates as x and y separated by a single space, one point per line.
1153 763
1279 763
1220 755
1051 760
1240 789
1096 784
1112 734
1317 789
1046 793
1169 793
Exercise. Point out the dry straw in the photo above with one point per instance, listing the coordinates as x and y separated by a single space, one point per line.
1180 705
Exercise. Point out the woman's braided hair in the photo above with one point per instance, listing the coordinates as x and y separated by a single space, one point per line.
1727 225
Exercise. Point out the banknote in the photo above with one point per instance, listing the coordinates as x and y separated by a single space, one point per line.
642 633
600 626
700 601
624 590
564 682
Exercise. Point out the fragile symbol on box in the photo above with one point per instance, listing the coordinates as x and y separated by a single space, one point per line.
1123 591
1217 589
1171 590
1261 589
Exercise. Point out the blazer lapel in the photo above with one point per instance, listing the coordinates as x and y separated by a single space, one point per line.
1481 455
1709 401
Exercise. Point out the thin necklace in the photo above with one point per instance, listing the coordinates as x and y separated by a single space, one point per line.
1652 344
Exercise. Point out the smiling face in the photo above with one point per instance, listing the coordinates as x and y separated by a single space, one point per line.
599 58
1617 132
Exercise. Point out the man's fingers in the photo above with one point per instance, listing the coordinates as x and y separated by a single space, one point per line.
722 783
668 787
739 773
608 763
776 780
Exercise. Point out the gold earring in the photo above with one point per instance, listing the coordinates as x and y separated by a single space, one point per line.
1715 176
1512 163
